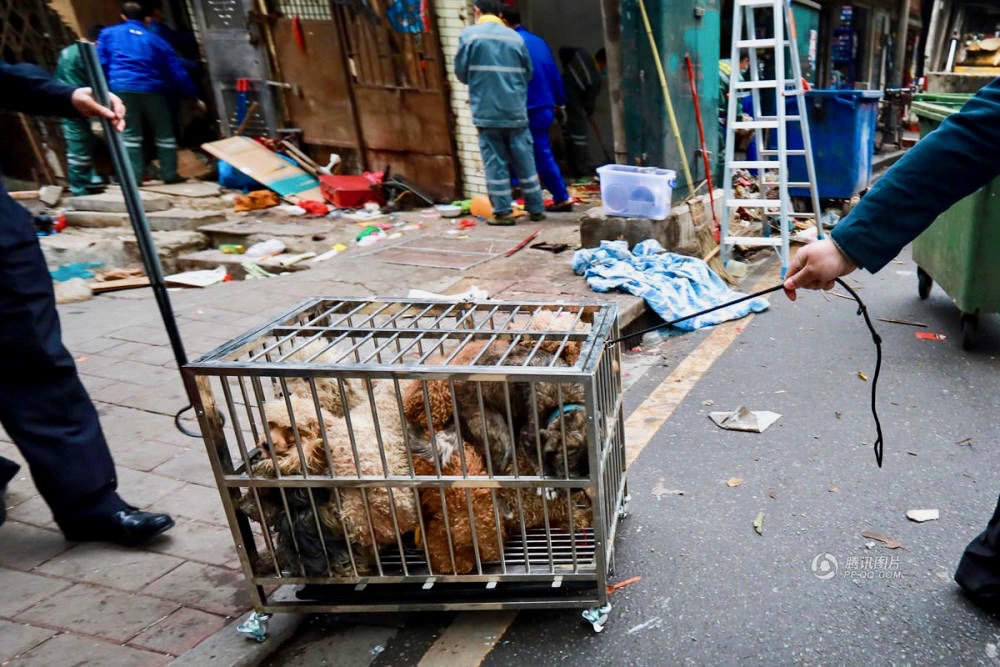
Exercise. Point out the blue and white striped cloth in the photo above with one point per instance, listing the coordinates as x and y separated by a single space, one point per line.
673 285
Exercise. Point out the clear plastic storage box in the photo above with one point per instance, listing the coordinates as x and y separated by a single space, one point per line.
637 192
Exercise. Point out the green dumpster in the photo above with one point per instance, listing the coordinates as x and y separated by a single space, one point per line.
959 250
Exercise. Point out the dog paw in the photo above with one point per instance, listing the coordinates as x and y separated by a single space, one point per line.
548 493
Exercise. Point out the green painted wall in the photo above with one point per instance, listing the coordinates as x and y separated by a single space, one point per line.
680 27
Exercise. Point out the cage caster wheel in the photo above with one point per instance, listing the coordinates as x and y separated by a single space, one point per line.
970 327
255 627
924 283
597 616
623 508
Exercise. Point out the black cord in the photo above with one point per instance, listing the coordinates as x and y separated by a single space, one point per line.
177 423
862 310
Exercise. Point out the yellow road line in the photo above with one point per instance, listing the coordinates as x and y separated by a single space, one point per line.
472 635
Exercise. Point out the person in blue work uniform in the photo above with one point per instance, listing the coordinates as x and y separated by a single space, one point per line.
145 73
494 62
582 78
546 97
79 136
44 408
948 164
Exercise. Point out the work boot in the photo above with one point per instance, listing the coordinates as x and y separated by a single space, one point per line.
561 207
502 221
537 216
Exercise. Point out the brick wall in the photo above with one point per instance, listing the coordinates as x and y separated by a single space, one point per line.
452 17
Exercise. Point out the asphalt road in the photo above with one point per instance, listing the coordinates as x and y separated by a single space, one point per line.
713 591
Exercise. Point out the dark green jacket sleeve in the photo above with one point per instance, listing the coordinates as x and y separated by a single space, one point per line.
957 158
33 90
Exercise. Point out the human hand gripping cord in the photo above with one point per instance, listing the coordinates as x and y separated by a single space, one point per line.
862 310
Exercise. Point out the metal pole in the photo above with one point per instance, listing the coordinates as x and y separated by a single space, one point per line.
133 202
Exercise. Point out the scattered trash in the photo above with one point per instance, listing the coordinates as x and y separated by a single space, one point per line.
466 223
290 260
922 515
75 270
927 335
773 495
888 542
622 584
708 402
833 489
232 248
653 622
965 441
651 339
266 248
554 248
449 210
292 209
370 238
742 419
255 272
202 278
378 648
50 194
736 268
861 374
257 199
472 294
313 207
758 523
829 218
807 235
72 290
659 490
734 481
324 256
891 320
838 414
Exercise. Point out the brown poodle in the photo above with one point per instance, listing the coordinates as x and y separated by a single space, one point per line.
446 512
330 391
549 320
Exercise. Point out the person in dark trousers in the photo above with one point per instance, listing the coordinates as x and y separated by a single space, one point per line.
44 407
494 62
582 78
948 164
545 96
80 139
145 72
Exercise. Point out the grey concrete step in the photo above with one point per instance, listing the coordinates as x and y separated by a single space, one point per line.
112 201
169 220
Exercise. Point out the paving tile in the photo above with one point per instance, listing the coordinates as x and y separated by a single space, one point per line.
24 547
144 489
207 587
74 650
144 456
20 488
34 510
126 370
194 502
150 334
182 630
156 355
191 465
16 638
199 542
165 399
21 590
128 425
110 565
94 610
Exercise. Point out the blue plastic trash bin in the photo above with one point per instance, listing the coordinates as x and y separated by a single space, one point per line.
842 129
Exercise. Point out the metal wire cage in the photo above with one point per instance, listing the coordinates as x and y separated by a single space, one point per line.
391 454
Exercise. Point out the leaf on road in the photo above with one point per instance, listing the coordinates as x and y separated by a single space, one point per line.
888 542
758 523
734 481
833 489
773 495
861 374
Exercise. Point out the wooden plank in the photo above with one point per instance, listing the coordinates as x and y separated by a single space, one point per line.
259 163
98 287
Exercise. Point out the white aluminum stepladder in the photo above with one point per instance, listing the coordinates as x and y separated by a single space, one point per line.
771 164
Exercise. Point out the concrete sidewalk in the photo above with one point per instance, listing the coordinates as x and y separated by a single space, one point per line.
64 602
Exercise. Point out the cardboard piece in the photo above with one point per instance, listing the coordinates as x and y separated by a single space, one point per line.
266 167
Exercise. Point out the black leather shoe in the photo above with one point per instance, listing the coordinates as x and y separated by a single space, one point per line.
129 527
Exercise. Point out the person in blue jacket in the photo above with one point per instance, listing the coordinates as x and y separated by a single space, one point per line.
145 72
546 97
951 162
494 62
44 407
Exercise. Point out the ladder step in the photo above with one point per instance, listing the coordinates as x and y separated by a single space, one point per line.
752 240
799 184
747 85
754 164
791 152
788 118
802 214
758 3
768 43
752 203
755 124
